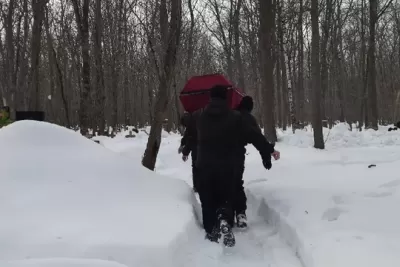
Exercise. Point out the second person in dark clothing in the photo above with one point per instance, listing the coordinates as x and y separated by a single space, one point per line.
240 204
221 132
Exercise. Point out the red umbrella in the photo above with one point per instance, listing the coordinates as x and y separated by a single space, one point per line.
196 92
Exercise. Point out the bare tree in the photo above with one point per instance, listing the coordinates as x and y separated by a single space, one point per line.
82 21
317 122
99 76
266 32
38 7
170 38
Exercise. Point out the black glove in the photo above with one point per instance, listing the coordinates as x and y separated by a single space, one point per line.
267 164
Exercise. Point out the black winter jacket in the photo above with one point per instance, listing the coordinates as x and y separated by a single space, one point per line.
221 133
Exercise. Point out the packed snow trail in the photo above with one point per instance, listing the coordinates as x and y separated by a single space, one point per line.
319 201
259 245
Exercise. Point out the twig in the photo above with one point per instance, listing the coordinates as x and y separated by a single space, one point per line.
327 136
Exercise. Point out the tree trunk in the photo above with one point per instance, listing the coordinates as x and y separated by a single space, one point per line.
317 122
82 21
99 75
285 104
190 41
363 73
172 41
58 73
38 16
324 60
238 56
278 84
9 62
266 30
300 93
371 64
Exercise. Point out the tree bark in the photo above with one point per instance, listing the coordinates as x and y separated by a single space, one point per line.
171 37
285 99
266 30
371 65
34 82
238 56
99 74
300 93
82 21
316 72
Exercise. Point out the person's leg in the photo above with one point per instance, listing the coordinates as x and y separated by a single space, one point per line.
240 200
226 188
207 199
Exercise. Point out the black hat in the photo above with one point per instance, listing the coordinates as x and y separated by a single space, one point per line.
219 91
246 103
185 119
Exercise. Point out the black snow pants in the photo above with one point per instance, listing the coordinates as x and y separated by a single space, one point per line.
217 192
240 202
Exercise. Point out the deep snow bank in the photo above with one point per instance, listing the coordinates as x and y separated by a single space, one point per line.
333 213
62 195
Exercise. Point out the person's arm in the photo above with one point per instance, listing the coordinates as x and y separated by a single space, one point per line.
253 135
187 149
189 135
275 154
253 122
183 141
191 141
184 138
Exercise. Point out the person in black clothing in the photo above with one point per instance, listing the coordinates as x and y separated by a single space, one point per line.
221 132
245 108
189 146
240 203
240 206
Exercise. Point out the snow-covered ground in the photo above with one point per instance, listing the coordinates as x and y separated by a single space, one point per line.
66 201
64 196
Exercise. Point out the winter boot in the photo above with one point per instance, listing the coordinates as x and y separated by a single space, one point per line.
214 235
229 237
241 221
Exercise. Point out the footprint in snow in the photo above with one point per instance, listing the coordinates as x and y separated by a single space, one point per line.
332 214
338 200
376 194
393 183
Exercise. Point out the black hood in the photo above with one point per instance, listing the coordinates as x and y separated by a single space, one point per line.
184 119
217 106
246 104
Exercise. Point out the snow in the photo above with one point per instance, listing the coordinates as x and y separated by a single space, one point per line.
340 136
62 262
66 201
327 205
333 212
64 196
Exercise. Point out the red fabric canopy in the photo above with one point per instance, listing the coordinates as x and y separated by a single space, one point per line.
196 92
